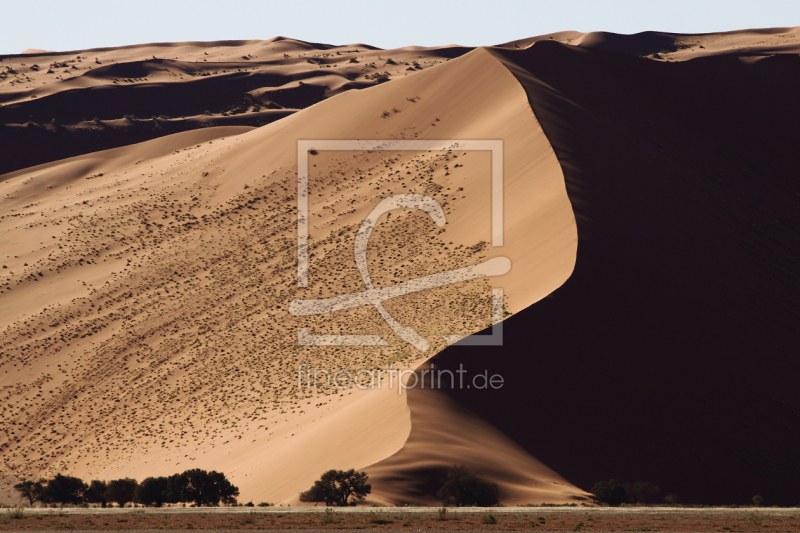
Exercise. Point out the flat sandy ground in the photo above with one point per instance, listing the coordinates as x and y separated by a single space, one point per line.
413 518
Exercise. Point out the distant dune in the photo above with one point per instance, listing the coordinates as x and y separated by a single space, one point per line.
650 217
50 100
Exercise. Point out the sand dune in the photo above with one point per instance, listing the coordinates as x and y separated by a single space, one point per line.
146 287
677 46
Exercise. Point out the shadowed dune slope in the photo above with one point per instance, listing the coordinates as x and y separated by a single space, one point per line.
670 355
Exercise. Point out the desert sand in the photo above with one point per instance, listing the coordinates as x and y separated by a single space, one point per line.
145 288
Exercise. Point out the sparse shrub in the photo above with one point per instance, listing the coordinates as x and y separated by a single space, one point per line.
329 517
755 519
250 518
489 519
265 504
442 514
379 518
16 512
672 499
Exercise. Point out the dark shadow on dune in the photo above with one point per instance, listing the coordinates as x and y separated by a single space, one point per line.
671 354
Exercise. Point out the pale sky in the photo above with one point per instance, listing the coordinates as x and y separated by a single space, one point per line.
63 26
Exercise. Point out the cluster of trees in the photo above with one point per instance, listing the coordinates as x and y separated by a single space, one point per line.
192 486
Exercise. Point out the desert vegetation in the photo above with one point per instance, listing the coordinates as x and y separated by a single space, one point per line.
195 486
463 487
338 487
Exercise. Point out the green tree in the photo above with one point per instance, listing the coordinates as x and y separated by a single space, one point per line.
31 490
64 489
336 487
323 490
152 491
175 489
207 488
96 493
611 492
121 491
462 486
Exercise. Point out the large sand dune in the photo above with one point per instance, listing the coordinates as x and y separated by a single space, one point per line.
145 323
145 289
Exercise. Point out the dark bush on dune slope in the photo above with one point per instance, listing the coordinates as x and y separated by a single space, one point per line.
462 486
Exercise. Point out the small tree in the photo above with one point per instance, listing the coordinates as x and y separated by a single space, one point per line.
121 491
64 489
30 490
323 490
611 492
336 487
462 486
757 500
152 491
96 493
